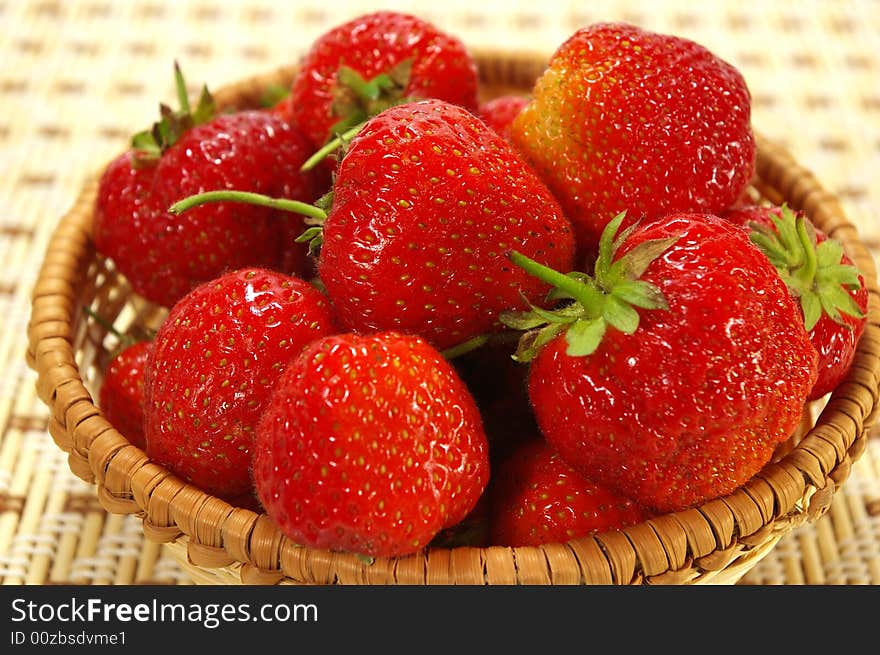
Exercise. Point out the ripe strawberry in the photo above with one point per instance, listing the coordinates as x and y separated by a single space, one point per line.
164 256
831 292
677 368
537 498
216 359
121 396
370 444
426 201
357 69
499 112
629 120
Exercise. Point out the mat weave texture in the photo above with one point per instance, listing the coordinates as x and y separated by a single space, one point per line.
79 77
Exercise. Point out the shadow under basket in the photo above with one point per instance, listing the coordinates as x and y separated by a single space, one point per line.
714 543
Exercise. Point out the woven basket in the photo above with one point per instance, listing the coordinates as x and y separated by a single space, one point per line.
715 543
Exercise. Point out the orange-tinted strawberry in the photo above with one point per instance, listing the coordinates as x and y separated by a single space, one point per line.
164 256
370 444
672 373
821 276
357 69
216 359
624 119
121 396
536 498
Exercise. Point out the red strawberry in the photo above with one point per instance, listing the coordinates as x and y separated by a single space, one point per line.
426 201
629 120
121 396
820 275
216 359
677 368
358 68
164 256
370 444
499 112
537 498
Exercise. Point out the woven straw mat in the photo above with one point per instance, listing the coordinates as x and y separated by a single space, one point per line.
78 77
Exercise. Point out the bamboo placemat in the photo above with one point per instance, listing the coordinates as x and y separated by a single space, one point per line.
78 77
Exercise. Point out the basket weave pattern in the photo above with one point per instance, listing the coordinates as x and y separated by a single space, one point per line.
714 543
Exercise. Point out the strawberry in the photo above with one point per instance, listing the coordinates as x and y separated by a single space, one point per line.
358 68
121 396
499 112
821 276
164 256
624 119
671 373
369 444
426 201
537 498
216 358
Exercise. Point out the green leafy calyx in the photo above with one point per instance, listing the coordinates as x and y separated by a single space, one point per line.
356 99
590 305
149 144
813 271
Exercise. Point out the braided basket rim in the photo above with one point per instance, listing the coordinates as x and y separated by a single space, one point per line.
715 542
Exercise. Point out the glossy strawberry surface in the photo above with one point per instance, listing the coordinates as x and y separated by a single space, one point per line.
121 396
163 255
376 43
691 404
216 359
537 498
371 444
624 119
427 200
834 337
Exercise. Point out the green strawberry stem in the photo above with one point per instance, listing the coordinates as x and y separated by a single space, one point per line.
125 338
250 198
607 299
587 296
103 322
504 337
330 147
465 346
